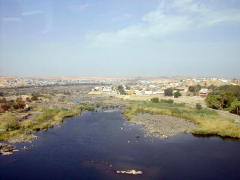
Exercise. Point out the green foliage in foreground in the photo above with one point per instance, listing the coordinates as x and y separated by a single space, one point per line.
209 121
225 98
47 118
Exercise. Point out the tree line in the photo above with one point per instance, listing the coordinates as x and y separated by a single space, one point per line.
225 98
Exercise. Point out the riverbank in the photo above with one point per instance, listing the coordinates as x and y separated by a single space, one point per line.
209 122
13 130
163 126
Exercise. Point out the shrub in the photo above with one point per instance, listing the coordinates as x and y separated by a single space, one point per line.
8 122
223 98
177 94
20 104
155 100
198 106
35 96
214 101
12 125
194 89
5 107
3 100
168 92
235 107
121 90
28 99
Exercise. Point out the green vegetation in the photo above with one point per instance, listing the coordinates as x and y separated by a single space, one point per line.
209 121
169 101
168 92
47 118
235 107
194 89
198 106
107 106
177 94
121 90
35 96
11 105
155 100
225 98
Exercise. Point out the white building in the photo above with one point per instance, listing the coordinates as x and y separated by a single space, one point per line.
137 92
148 92
158 92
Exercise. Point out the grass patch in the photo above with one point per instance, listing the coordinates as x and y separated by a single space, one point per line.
209 121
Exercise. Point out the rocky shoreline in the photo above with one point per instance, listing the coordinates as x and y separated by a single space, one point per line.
163 126
7 149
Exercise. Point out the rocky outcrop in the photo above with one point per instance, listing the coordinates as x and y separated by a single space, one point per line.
163 126
130 172
7 149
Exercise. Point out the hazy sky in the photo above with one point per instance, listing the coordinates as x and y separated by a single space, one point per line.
120 37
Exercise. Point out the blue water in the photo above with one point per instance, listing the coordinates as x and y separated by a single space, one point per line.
79 100
96 144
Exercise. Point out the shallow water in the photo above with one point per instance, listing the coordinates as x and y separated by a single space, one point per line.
96 144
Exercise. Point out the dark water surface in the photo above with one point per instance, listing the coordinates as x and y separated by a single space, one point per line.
95 144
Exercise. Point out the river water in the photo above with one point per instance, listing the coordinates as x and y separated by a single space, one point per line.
96 144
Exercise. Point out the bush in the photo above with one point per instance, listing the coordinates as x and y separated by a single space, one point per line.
5 107
214 101
177 94
35 96
12 125
121 90
198 106
168 92
3 100
20 104
225 98
235 107
8 122
194 89
155 100
28 99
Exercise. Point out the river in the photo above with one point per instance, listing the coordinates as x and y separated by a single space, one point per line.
96 144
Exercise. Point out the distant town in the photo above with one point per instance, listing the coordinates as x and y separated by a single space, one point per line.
128 86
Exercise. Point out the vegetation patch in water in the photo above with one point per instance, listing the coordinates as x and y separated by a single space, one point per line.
47 118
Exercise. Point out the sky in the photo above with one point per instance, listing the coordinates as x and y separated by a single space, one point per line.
120 38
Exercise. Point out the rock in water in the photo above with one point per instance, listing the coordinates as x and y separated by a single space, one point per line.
7 149
131 172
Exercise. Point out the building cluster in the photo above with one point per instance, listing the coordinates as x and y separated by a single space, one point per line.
158 87
137 86
28 82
